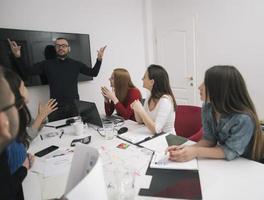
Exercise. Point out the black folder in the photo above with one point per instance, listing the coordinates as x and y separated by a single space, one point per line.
168 183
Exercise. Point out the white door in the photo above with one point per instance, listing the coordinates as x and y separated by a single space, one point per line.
175 51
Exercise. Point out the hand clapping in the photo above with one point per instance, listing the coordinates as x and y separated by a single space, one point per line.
109 94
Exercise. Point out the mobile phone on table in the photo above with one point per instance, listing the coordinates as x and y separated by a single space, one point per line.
46 151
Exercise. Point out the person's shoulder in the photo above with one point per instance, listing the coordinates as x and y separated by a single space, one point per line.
242 118
166 99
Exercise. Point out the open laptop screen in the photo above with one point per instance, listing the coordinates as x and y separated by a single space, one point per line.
89 113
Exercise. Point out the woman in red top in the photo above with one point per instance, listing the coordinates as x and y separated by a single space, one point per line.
122 95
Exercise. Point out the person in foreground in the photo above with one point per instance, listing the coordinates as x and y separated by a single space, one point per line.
122 95
28 128
230 122
158 113
11 185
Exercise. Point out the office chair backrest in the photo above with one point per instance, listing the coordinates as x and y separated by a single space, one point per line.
188 120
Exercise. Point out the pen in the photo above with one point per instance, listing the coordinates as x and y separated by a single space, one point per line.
58 155
62 132
41 137
49 126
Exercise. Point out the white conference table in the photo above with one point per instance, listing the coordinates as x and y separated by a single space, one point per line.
220 179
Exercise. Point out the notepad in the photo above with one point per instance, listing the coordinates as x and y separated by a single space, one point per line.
137 135
161 161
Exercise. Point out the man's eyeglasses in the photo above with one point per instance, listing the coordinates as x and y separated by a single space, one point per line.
61 45
18 104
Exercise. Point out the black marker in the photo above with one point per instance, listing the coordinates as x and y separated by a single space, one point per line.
41 137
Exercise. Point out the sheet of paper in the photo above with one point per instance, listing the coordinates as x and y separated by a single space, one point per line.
137 135
158 143
86 179
161 161
54 164
132 125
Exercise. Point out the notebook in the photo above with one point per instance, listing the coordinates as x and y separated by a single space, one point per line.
137 135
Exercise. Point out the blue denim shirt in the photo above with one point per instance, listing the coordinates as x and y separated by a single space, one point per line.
233 133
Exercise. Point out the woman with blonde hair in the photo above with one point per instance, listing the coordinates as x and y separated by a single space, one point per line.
230 122
122 95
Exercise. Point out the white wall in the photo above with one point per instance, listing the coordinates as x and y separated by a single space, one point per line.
117 23
228 32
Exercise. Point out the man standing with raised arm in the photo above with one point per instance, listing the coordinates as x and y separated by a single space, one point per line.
62 74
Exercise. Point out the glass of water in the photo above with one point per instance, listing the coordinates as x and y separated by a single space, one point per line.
108 130
126 185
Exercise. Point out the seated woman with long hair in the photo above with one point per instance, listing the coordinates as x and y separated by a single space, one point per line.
122 95
230 122
28 128
158 113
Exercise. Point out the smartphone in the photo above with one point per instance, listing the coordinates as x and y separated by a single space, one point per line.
46 151
85 140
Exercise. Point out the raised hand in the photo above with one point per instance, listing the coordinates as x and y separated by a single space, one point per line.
100 53
16 50
45 109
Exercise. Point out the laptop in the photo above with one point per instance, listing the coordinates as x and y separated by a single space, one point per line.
89 113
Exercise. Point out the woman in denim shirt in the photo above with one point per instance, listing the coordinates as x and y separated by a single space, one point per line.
230 123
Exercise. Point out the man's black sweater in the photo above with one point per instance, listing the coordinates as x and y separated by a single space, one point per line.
62 75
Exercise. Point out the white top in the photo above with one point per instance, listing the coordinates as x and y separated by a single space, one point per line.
163 114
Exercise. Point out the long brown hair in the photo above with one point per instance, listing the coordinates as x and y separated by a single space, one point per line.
24 115
228 94
161 83
122 83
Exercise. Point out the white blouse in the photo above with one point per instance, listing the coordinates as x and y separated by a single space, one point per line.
163 114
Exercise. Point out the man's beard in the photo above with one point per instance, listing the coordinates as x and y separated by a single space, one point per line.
62 56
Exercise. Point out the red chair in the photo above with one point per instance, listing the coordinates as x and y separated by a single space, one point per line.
188 122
